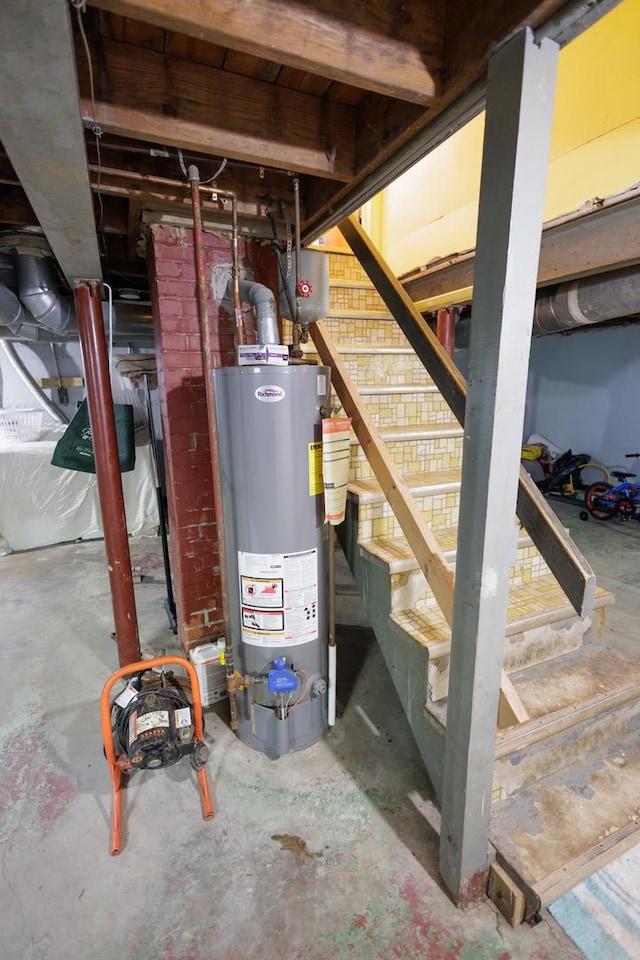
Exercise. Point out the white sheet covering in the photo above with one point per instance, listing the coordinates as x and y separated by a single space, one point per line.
41 504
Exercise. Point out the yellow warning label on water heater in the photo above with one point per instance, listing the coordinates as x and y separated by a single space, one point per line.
316 485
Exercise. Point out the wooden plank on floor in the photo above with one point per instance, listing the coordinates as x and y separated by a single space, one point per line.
506 894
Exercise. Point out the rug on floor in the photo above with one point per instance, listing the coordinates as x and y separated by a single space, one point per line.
602 914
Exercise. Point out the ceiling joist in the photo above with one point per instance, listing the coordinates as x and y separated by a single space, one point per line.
379 46
166 100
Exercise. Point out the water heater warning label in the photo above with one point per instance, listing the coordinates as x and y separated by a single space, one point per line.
279 597
316 484
262 592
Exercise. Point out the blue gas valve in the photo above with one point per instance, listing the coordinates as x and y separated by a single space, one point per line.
281 679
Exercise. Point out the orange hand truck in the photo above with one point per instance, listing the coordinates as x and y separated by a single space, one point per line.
120 764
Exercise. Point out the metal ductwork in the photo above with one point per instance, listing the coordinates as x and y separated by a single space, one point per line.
264 306
595 299
32 308
38 290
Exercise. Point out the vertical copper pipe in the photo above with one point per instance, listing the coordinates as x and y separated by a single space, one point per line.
235 272
208 363
446 329
296 352
105 448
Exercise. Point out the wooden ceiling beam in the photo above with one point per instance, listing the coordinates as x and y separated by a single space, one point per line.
375 45
165 100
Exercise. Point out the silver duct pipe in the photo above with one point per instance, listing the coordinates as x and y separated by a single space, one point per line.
12 312
606 296
10 353
264 307
38 290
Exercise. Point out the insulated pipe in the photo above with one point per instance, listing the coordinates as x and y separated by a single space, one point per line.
605 296
105 449
264 307
11 354
209 364
446 329
331 700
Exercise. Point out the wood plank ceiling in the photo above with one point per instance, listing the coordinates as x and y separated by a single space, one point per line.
326 90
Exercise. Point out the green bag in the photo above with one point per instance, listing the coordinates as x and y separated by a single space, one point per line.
74 449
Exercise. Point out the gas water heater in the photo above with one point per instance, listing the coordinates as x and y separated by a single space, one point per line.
270 456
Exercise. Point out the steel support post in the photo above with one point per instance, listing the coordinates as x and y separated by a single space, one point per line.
520 93
105 451
446 329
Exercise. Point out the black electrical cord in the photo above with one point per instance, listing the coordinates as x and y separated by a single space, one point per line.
120 721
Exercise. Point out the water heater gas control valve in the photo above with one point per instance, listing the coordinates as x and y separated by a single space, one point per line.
281 679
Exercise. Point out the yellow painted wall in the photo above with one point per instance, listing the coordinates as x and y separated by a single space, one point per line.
431 211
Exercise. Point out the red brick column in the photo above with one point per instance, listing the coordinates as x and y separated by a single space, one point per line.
192 527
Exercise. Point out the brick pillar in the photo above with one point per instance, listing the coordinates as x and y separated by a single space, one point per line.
192 527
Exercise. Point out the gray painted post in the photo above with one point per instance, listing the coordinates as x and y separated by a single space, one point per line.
520 93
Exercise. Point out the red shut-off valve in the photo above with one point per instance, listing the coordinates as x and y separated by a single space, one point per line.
304 288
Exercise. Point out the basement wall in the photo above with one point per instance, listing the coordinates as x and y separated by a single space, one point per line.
39 362
192 527
583 392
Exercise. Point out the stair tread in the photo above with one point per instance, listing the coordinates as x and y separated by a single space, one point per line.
426 431
351 284
564 827
532 604
368 490
573 678
398 555
387 389
366 348
340 313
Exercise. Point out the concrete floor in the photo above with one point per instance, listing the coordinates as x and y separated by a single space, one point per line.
326 854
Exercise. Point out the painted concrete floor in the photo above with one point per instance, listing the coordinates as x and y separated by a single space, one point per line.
327 854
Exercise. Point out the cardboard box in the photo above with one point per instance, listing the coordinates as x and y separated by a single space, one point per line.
252 354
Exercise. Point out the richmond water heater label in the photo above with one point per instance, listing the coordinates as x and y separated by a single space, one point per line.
278 597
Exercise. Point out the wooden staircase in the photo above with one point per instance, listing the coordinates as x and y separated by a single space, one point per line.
565 776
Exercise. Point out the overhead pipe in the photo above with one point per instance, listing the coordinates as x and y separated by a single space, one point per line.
105 448
577 303
208 362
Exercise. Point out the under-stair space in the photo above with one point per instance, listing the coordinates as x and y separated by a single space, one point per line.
566 792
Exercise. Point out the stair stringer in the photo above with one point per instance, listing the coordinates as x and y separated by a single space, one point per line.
406 661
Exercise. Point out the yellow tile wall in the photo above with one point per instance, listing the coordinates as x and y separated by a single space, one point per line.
385 368
438 454
365 331
355 298
411 409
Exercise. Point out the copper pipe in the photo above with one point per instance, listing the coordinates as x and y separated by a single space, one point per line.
208 362
446 329
177 185
105 448
235 272
296 352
